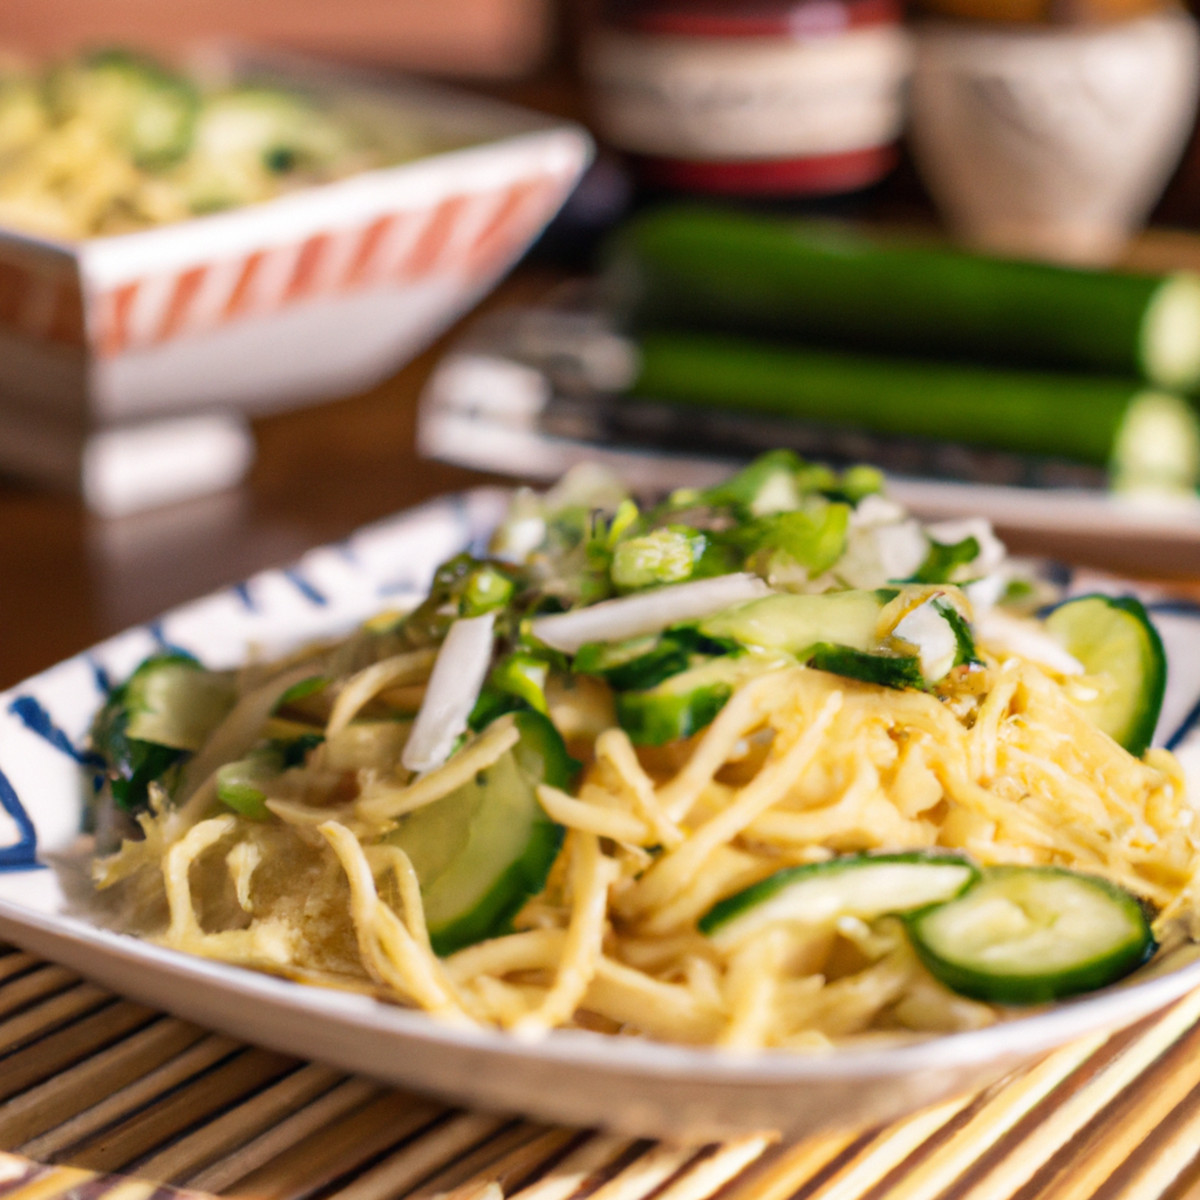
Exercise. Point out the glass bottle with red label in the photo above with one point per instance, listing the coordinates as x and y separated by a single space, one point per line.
768 98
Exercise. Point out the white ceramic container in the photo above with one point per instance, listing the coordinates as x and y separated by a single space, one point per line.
1052 141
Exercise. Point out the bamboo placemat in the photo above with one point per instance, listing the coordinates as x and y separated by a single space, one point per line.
94 1086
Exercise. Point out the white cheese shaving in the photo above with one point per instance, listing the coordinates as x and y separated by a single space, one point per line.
458 674
646 612
930 633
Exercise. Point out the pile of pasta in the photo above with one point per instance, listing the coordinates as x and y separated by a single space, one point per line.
799 766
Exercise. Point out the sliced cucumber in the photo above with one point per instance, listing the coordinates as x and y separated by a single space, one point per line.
839 632
635 663
1156 448
1170 333
151 723
685 703
966 652
173 701
1113 636
132 766
886 670
483 850
858 885
1028 935
793 623
640 663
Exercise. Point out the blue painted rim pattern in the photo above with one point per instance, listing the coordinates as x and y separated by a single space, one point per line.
20 855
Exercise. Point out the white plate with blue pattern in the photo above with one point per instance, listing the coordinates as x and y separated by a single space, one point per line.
570 1077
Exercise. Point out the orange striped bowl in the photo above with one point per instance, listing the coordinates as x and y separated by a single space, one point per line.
319 293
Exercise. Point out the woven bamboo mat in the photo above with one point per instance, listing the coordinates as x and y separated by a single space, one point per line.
93 1086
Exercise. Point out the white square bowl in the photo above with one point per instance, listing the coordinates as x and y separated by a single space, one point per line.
319 293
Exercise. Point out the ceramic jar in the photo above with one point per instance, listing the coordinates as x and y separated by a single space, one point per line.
1052 141
750 97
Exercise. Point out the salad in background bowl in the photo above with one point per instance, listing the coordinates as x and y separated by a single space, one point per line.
111 141
294 234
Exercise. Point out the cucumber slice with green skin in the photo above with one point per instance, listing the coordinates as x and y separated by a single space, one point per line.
645 662
685 703
132 766
483 850
634 663
173 701
1029 935
839 632
886 670
1113 636
965 652
793 622
646 670
149 724
1139 434
726 270
855 885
